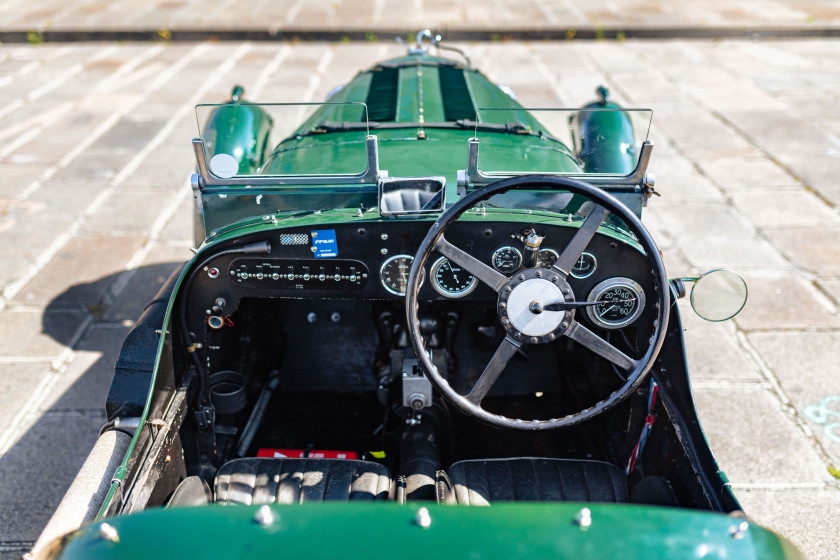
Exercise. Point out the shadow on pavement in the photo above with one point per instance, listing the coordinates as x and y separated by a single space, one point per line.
40 466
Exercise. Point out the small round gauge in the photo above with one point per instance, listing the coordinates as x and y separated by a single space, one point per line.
547 257
585 265
394 274
506 259
620 302
450 280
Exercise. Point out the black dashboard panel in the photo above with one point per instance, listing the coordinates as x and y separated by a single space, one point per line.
343 261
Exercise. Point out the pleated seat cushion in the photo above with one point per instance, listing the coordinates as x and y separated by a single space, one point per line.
256 480
484 481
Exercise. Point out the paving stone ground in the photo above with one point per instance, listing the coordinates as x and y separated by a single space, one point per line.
94 214
377 16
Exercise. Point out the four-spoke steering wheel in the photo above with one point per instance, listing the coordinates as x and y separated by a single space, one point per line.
523 297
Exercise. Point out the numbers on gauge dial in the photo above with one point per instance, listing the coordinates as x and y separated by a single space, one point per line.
450 280
620 301
585 265
506 259
547 257
394 274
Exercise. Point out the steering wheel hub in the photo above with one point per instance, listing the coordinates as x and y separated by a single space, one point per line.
522 301
536 305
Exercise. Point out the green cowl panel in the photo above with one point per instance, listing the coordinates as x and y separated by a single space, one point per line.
503 531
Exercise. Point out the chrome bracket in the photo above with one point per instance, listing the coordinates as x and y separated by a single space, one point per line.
473 177
206 178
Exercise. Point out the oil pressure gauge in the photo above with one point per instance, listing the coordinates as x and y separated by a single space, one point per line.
506 259
620 301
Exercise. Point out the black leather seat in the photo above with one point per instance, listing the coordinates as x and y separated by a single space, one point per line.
484 481
255 480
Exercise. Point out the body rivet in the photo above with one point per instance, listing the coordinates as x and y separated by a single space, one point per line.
264 517
423 519
583 519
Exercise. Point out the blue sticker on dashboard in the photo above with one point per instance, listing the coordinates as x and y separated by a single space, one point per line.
325 244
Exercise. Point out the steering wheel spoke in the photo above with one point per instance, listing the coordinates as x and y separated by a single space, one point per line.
536 306
470 264
566 261
592 341
491 373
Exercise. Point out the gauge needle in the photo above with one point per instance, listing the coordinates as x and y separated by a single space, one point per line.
566 305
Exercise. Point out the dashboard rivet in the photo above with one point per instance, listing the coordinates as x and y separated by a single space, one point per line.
384 237
503 305
383 250
534 340
564 324
566 292
554 279
508 288
539 274
522 277
551 336
517 335
313 248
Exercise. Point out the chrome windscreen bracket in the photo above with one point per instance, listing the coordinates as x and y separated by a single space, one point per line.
370 176
473 177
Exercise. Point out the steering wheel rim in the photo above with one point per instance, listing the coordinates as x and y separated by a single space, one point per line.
604 204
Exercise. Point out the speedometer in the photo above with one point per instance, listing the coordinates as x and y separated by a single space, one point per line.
450 280
394 274
620 302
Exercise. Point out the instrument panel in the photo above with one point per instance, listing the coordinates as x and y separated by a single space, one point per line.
372 260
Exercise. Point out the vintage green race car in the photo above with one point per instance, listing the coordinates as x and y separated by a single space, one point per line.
422 300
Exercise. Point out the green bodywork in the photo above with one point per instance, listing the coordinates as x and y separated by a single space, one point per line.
240 129
421 137
503 531
428 145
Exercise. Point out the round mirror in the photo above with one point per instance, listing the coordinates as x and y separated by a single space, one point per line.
719 295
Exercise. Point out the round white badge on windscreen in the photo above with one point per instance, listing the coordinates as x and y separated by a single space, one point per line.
224 166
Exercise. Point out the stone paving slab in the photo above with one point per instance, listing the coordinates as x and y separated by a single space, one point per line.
107 192
383 16
804 516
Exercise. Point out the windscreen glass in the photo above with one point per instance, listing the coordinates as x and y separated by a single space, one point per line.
567 141
256 139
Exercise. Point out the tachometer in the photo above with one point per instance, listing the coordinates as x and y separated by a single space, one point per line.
451 280
620 302
394 274
506 259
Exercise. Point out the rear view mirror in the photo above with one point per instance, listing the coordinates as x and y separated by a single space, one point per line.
717 295
411 195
